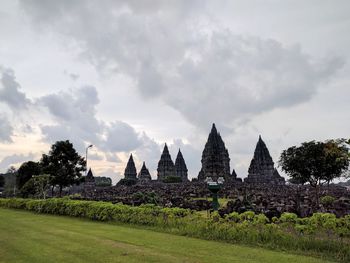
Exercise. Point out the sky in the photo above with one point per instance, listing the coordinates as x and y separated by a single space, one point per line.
129 76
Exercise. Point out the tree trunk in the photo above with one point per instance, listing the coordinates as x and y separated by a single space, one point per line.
52 188
60 190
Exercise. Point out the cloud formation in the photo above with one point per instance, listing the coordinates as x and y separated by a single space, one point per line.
10 93
201 69
10 160
6 129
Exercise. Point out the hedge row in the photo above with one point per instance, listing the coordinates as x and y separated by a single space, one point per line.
321 235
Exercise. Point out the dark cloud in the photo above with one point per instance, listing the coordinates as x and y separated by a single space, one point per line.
10 91
202 70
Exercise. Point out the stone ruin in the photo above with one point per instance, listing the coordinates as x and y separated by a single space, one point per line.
89 181
263 190
166 167
261 169
144 175
216 160
180 167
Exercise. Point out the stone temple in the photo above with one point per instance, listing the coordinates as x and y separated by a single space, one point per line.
180 167
89 179
130 170
144 175
261 169
166 167
215 158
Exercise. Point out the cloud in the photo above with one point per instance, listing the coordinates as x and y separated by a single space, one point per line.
121 137
10 91
74 113
6 129
10 160
174 52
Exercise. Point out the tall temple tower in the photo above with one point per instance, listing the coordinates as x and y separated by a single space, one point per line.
261 169
144 175
130 170
180 167
215 158
166 167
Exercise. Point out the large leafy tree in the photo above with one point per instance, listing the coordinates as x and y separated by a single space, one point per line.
26 171
315 162
63 164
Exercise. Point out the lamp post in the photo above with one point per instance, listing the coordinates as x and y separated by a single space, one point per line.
86 157
214 187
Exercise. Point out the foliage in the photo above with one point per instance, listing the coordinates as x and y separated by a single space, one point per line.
315 162
327 200
146 198
63 164
172 179
2 181
320 234
9 183
103 181
26 171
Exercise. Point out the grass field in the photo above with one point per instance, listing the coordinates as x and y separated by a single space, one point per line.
28 237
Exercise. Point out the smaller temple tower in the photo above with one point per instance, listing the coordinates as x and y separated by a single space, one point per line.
130 170
261 169
144 175
89 179
180 167
166 167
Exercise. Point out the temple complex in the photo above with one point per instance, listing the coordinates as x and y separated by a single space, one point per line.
130 170
261 169
215 158
144 175
180 167
166 167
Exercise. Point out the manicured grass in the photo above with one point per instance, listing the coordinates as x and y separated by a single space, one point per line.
28 237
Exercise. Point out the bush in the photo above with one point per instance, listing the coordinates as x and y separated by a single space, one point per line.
327 200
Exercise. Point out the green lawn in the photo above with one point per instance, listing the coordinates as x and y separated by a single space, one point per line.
28 237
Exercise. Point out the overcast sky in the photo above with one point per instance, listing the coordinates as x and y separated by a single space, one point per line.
128 76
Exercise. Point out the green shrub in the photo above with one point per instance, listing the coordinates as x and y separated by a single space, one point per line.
327 200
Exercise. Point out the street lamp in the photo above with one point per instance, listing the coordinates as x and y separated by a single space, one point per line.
214 187
86 157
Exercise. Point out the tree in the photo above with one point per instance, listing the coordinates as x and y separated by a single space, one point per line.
26 172
2 181
63 164
315 162
37 186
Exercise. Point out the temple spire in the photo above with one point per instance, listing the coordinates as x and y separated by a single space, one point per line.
215 158
166 167
261 169
144 175
180 167
130 170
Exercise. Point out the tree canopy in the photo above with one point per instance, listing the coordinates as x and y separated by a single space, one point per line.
63 164
26 172
316 162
